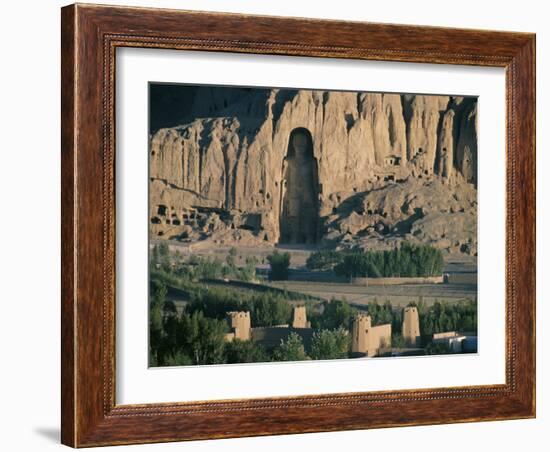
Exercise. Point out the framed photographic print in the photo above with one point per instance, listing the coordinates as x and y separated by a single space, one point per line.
281 225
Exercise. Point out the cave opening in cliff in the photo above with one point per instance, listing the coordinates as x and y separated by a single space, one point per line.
299 218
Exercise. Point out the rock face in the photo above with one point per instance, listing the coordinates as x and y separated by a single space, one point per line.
276 165
427 210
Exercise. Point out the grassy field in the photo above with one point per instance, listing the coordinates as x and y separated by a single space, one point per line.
400 295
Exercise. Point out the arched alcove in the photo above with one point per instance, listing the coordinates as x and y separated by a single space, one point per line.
299 218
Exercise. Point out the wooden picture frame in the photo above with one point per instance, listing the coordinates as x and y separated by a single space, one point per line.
90 36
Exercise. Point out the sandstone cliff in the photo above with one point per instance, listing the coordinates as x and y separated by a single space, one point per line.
224 168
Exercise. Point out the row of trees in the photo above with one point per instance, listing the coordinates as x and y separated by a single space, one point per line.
333 314
266 308
440 317
197 267
407 260
324 260
270 308
212 349
195 337
435 318
203 323
325 344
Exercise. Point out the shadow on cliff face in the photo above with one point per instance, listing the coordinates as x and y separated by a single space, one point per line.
168 104
404 226
172 105
281 98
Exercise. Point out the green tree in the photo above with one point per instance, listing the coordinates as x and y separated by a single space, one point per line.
238 351
336 314
163 256
203 338
209 269
266 309
324 259
330 344
231 258
279 263
437 349
408 260
398 341
155 255
291 349
248 272
157 297
153 362
179 358
163 249
156 303
269 310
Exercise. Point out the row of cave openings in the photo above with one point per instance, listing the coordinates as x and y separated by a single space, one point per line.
173 219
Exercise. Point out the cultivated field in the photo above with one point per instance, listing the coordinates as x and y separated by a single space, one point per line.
398 295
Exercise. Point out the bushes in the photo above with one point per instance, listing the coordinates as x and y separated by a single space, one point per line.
190 339
269 310
382 314
238 351
266 309
156 324
197 336
336 314
436 318
330 344
214 302
279 263
409 260
197 267
291 349
437 349
202 338
359 264
441 317
324 260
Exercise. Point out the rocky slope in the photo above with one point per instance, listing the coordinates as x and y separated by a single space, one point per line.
222 173
429 210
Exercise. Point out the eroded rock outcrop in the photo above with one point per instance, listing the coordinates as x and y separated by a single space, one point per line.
230 158
424 210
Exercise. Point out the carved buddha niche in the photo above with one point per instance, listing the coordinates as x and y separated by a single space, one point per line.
299 192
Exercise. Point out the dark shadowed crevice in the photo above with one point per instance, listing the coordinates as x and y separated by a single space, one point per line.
299 216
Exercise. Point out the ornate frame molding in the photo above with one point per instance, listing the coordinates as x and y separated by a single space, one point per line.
90 36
